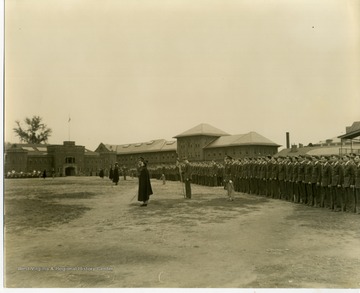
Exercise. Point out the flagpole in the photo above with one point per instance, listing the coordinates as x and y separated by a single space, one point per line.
69 126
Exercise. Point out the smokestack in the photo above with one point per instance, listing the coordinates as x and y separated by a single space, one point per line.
287 140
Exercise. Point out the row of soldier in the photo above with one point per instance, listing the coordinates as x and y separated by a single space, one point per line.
321 181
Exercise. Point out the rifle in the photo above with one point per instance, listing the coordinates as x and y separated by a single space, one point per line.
133 197
136 193
181 179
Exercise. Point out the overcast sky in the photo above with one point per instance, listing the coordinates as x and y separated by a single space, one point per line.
135 70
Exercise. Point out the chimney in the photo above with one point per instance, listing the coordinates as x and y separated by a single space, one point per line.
287 140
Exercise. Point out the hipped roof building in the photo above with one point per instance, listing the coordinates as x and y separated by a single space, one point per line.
201 143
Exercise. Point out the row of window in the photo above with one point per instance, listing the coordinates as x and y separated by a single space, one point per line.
189 145
20 159
148 156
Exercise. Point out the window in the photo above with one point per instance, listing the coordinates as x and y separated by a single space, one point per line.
69 160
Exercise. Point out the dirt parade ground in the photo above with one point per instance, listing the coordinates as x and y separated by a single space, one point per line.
84 232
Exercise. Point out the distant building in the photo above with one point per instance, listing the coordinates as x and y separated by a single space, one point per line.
343 144
200 143
65 160
249 145
192 143
159 151
350 141
205 142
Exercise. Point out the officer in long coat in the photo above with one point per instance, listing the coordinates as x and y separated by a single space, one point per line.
116 174
145 189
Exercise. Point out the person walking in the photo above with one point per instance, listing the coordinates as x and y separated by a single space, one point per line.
145 189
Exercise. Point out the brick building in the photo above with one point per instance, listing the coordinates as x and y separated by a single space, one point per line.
200 143
249 145
192 142
344 144
67 159
159 151
205 142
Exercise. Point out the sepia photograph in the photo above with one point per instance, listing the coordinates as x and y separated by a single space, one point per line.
181 144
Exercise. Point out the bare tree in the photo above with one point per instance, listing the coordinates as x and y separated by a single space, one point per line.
35 132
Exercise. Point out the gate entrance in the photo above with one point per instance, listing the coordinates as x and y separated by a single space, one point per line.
70 171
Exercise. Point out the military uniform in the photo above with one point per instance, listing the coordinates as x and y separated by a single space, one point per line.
315 181
336 183
357 184
348 185
187 178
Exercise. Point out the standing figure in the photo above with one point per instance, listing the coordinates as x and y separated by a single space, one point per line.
124 170
44 174
357 183
348 184
163 178
336 183
228 183
187 178
111 173
116 174
325 182
145 189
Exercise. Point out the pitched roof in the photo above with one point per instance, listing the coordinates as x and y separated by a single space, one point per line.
143 147
352 131
313 151
353 127
102 148
202 129
32 149
251 138
90 153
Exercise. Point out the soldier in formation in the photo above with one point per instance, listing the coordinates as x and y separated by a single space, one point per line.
331 182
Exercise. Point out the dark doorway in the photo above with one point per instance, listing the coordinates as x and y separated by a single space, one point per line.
70 171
